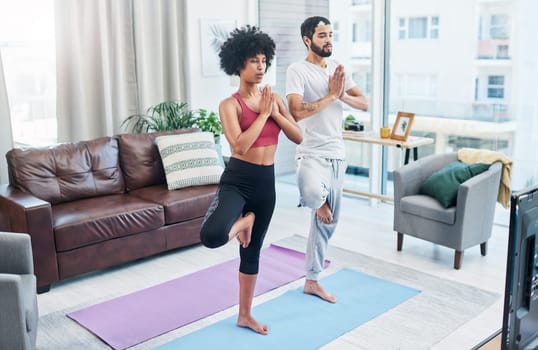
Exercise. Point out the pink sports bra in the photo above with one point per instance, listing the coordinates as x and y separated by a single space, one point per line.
270 131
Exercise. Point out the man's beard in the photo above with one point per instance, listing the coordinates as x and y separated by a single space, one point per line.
319 51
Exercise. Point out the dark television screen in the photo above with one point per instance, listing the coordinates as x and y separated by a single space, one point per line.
520 318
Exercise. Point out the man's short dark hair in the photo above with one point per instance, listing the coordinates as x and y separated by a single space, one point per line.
309 26
244 43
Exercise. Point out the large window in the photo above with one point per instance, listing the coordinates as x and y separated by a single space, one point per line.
465 90
27 44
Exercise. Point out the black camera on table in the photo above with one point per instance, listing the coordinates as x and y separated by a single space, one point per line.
355 126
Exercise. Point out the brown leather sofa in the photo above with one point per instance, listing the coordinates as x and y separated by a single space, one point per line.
93 204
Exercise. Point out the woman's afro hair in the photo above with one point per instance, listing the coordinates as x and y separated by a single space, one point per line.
244 43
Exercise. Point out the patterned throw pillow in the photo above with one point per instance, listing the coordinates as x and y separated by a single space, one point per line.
189 159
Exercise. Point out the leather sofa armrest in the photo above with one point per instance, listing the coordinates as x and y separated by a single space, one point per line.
25 213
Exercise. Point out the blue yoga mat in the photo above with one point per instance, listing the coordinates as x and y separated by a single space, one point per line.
136 317
299 321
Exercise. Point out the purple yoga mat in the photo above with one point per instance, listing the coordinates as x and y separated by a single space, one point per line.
134 318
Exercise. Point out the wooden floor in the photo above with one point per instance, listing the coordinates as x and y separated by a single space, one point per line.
364 228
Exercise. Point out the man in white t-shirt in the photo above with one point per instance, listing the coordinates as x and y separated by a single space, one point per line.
315 90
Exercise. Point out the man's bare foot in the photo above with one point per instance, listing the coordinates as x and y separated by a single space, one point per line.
314 288
245 235
324 213
250 322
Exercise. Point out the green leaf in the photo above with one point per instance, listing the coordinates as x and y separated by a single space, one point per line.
172 115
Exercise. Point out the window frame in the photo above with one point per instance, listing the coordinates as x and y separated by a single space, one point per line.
498 87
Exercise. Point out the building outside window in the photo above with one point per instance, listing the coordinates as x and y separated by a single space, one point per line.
459 86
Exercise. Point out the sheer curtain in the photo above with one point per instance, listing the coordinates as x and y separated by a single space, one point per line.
114 59
6 138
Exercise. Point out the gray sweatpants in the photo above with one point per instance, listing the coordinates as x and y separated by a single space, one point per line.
319 180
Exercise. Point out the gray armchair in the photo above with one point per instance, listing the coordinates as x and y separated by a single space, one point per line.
459 227
18 298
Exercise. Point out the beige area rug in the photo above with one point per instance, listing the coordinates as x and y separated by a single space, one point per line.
419 323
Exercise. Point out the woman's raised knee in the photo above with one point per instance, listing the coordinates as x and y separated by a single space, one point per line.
212 238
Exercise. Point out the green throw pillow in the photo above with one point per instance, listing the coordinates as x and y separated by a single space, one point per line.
443 184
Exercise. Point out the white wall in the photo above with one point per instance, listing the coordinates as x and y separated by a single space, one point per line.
207 91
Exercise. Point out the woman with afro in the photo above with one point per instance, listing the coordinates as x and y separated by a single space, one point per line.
252 119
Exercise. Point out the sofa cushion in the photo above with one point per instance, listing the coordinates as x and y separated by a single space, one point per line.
179 205
93 220
443 184
428 207
140 159
189 159
68 171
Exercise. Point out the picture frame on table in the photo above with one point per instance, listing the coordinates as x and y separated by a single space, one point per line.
402 126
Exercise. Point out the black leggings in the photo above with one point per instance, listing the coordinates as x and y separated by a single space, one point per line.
244 187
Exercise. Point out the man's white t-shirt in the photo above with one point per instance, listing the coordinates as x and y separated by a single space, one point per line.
322 132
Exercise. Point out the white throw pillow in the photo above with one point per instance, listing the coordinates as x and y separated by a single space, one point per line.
189 159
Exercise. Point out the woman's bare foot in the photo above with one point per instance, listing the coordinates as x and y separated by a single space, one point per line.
250 322
244 235
314 288
324 213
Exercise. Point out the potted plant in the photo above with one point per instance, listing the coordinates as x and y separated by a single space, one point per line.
172 115
350 123
168 115
350 119
208 121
